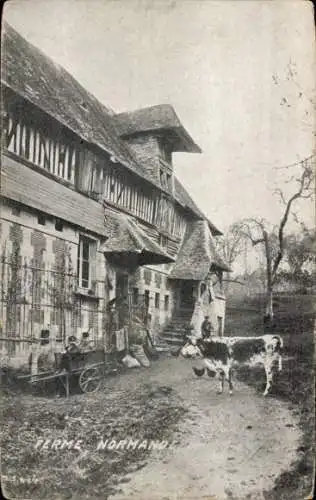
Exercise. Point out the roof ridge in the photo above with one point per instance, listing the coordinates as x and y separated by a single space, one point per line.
135 110
24 61
82 89
207 234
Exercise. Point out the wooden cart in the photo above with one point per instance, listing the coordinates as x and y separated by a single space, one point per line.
87 369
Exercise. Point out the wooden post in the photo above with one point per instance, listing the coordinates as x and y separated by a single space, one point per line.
67 385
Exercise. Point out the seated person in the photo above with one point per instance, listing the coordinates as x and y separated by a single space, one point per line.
86 344
206 328
42 359
72 344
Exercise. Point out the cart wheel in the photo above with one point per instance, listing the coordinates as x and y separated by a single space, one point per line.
90 380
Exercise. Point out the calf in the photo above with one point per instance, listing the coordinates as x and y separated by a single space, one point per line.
221 354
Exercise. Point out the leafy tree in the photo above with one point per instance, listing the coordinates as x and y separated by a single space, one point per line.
300 255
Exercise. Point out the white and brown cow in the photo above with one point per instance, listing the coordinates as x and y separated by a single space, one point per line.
221 354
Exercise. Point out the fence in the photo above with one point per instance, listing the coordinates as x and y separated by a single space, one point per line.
34 296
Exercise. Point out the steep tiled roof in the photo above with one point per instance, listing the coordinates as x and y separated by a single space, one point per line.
161 117
197 254
183 197
33 75
125 237
36 77
25 185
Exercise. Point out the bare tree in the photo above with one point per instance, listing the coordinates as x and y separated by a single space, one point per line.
256 230
231 245
296 95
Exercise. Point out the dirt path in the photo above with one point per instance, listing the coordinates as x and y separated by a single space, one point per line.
223 447
227 447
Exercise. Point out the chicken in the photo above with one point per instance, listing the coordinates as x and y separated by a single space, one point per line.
198 371
211 373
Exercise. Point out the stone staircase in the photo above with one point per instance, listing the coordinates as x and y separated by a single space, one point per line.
172 335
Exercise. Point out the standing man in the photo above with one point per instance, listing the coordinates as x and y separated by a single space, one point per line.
206 328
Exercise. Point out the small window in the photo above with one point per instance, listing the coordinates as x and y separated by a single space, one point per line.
220 325
135 296
84 106
85 261
41 219
58 225
16 211
163 241
162 178
147 299
157 300
168 156
169 182
166 302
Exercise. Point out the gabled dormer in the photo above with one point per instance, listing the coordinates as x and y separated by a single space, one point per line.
154 134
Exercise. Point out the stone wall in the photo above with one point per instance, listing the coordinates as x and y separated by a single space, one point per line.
153 280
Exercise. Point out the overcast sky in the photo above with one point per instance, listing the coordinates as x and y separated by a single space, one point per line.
222 65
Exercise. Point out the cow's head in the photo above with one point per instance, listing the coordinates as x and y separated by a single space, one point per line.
191 348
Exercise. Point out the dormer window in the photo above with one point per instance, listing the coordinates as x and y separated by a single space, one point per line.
169 181
83 105
165 151
165 177
166 155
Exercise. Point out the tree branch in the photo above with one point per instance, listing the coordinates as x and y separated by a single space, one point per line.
307 174
256 242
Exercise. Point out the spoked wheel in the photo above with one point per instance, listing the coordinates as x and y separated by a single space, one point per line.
90 380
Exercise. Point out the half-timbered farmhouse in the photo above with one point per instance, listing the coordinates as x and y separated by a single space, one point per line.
92 214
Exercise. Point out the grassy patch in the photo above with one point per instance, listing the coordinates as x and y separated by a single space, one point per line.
141 413
294 385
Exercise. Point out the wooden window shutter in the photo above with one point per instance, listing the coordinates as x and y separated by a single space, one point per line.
93 264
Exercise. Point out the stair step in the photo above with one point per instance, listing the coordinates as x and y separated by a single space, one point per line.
177 325
162 348
172 333
173 340
160 340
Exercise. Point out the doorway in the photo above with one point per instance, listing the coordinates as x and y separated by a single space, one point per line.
121 293
187 295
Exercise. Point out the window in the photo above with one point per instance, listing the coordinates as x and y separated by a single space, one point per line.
169 182
147 298
163 241
162 178
165 180
157 300
166 302
164 213
135 296
41 219
165 151
86 260
58 225
16 211
220 326
43 146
